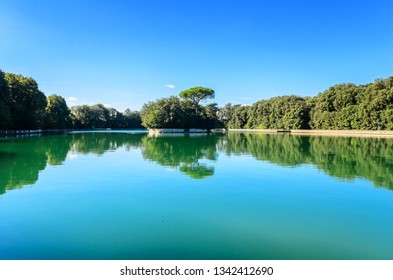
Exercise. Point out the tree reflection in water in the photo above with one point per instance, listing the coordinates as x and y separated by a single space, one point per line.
183 151
22 159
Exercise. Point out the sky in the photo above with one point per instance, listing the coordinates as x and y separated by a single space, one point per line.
125 53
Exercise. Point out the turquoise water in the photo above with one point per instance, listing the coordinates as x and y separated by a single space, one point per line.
221 196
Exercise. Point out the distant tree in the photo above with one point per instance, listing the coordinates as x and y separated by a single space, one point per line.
29 102
163 113
114 119
239 117
348 106
57 114
343 106
85 116
132 119
188 117
290 112
196 95
82 116
225 113
207 117
100 116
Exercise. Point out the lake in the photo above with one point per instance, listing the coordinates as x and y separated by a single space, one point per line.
128 195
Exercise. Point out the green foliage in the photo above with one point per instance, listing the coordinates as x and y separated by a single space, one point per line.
239 117
344 106
24 106
224 114
163 113
5 103
98 116
171 112
57 114
115 119
207 117
28 102
348 106
132 119
82 116
196 95
289 112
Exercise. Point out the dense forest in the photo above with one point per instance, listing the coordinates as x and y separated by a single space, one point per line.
343 106
24 106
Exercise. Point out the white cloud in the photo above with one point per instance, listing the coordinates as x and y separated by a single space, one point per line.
108 105
170 86
72 99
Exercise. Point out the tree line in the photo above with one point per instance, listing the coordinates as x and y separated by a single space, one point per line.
342 106
24 106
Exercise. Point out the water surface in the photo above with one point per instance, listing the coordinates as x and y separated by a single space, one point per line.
219 196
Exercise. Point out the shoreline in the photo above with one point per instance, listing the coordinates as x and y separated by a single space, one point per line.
13 133
300 132
39 132
310 132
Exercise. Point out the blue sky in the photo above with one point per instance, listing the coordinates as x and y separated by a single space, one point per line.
125 53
